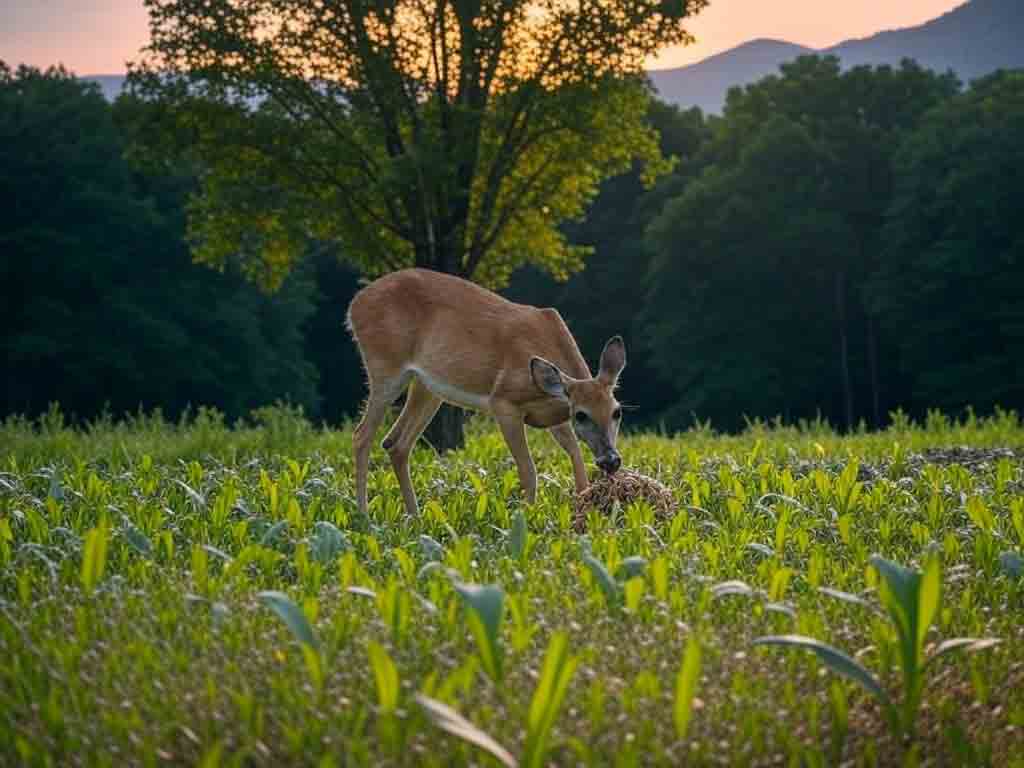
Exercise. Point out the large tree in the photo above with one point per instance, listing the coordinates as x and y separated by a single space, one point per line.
950 290
601 300
757 293
449 134
100 303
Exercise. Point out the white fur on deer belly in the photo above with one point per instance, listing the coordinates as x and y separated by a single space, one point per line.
451 394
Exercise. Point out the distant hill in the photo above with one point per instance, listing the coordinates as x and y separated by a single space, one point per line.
973 39
706 82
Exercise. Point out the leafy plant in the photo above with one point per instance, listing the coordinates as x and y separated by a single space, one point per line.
612 587
555 676
548 697
94 556
911 599
450 721
486 608
686 686
295 619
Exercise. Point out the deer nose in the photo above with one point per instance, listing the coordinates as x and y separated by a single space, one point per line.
610 462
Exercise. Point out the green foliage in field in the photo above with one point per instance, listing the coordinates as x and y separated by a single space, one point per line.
190 592
101 306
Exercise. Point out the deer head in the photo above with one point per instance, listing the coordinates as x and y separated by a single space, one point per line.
593 410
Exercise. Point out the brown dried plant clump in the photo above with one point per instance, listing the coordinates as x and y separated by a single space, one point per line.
624 487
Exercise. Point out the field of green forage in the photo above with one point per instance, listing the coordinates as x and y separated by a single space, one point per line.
193 593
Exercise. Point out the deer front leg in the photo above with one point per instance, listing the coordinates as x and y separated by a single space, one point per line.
566 438
513 429
420 407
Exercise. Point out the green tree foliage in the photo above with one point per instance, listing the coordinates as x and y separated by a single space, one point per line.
949 290
448 135
756 302
602 300
444 134
101 304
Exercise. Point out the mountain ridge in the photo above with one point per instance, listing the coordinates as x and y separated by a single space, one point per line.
973 39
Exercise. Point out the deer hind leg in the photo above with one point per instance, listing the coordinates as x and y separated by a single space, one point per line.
566 438
514 431
383 392
420 407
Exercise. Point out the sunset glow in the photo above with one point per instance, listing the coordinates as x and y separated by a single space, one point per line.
99 36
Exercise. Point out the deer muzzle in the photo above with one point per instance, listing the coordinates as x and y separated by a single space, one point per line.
610 462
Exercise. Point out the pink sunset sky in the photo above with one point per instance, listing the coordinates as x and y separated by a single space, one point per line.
98 36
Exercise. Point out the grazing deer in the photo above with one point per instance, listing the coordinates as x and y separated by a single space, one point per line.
449 340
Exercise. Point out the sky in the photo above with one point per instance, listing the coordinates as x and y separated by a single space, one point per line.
94 37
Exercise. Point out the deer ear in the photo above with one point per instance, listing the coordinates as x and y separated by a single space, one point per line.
613 360
548 378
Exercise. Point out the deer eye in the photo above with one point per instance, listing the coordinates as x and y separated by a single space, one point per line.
617 414
581 417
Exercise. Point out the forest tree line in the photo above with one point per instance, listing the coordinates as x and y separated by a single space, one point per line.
837 243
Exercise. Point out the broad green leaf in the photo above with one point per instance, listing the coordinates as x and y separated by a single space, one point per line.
686 686
291 615
832 658
362 592
137 540
928 597
431 548
734 587
966 644
559 667
197 499
608 585
450 721
900 590
517 537
56 491
94 557
487 605
273 534
1012 564
327 542
220 554
630 568
846 597
385 674
761 549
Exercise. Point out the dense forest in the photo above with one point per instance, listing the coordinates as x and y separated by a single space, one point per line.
838 244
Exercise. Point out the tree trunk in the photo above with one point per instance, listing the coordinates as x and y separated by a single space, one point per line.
844 347
445 432
873 370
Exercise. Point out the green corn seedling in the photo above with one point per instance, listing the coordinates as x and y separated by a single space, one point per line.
486 608
911 598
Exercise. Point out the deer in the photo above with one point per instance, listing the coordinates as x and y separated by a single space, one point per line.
439 338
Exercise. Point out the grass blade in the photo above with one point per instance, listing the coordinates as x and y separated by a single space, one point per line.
327 543
1012 564
291 615
609 587
487 606
94 557
928 597
450 721
517 537
385 674
966 644
559 667
686 686
834 659
630 568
